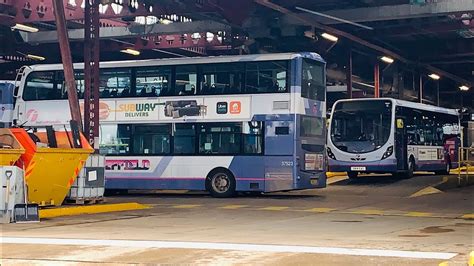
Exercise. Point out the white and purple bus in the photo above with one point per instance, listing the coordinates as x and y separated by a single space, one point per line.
222 124
391 136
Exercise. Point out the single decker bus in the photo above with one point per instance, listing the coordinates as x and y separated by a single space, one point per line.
386 135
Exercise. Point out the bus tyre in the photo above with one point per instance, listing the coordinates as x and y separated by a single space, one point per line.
352 175
411 168
221 184
446 170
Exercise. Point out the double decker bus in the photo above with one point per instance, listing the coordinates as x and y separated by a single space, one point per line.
222 124
392 136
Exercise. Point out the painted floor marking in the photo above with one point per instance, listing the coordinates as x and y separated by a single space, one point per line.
418 214
320 210
274 208
185 206
230 246
368 212
233 207
468 216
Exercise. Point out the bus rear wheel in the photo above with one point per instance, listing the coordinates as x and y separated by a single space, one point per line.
446 170
352 175
411 168
221 184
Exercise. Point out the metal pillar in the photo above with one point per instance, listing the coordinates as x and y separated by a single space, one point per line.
421 88
349 75
437 92
91 72
376 80
65 49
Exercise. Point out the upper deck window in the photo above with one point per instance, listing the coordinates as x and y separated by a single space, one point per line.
313 83
266 77
222 79
186 80
152 82
115 83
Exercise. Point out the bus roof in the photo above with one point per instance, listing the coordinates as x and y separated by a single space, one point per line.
188 60
409 104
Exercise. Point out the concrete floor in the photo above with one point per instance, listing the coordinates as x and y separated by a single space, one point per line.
371 220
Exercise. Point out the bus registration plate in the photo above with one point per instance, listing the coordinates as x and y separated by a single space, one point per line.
358 168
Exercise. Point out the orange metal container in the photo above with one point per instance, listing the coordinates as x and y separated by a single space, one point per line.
50 172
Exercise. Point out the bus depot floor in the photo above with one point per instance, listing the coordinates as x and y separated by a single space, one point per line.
370 221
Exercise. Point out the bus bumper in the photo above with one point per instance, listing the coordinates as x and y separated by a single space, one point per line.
307 180
384 166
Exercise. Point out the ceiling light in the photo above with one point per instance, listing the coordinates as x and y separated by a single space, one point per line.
387 59
434 76
35 57
130 51
24 28
330 37
464 88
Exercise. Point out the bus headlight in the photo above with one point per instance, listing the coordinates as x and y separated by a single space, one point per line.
330 154
388 152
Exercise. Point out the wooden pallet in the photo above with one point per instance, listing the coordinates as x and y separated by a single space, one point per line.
85 201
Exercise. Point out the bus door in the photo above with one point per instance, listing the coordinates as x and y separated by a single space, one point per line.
401 138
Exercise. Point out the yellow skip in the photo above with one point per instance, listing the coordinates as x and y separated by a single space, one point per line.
79 210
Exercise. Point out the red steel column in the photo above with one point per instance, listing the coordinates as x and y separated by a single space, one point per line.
70 82
377 80
91 72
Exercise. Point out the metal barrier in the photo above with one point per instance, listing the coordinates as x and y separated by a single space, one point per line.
466 162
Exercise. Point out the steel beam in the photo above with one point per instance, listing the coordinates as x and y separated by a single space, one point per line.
91 72
65 49
130 32
31 11
391 12
311 21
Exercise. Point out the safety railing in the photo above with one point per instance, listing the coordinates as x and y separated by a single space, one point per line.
466 162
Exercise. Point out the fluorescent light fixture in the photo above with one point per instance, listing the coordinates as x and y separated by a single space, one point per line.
434 76
387 59
330 37
24 28
464 88
130 51
35 57
166 21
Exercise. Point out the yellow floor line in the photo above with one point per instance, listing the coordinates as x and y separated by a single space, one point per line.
468 216
425 191
368 212
185 206
418 214
102 208
471 259
233 207
320 210
274 208
444 263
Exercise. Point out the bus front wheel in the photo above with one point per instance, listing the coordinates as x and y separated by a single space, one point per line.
221 184
411 168
352 175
